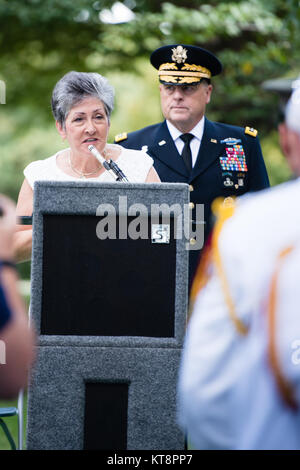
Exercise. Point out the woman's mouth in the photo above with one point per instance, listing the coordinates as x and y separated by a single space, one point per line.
90 140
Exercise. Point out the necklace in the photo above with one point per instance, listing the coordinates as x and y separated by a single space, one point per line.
80 173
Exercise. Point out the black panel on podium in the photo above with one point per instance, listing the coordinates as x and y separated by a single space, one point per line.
88 291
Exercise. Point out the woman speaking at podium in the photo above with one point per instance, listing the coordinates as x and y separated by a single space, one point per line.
81 104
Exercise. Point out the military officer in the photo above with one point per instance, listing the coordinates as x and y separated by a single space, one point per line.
214 159
239 377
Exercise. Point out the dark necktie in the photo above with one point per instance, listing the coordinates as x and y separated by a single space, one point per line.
186 152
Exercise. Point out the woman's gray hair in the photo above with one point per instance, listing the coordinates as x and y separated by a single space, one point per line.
74 87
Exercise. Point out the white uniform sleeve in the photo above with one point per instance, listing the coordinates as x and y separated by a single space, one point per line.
211 360
209 365
287 320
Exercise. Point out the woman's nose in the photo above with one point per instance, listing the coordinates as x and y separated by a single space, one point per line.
90 128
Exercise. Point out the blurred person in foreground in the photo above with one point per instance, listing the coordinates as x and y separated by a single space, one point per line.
81 105
16 338
213 158
239 383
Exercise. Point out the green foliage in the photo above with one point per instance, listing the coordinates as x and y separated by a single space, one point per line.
276 164
250 37
255 39
137 99
20 148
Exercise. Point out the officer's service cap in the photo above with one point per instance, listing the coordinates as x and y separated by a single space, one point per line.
181 64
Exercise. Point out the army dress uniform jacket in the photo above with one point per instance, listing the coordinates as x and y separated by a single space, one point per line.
212 176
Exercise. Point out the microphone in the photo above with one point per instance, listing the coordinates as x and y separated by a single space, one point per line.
109 165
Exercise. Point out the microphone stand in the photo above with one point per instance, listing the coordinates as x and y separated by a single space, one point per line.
109 165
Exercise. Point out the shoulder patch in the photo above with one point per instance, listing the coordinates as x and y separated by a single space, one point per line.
251 131
120 137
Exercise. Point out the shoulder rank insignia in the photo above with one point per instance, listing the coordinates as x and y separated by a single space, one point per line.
250 131
120 137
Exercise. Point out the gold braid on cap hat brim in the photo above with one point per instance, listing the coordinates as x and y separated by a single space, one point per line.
179 81
186 71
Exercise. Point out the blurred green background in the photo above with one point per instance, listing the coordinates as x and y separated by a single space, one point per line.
40 40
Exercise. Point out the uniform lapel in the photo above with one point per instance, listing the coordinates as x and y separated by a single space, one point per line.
164 149
210 149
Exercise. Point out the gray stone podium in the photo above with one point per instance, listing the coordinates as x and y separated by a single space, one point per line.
109 301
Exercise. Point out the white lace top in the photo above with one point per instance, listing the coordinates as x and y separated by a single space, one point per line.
135 164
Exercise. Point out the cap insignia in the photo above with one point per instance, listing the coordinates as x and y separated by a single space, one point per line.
179 54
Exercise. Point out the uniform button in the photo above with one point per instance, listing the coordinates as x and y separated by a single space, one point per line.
228 202
191 188
193 241
191 205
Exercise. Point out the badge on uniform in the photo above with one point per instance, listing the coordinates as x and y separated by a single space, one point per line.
240 177
234 160
227 179
230 141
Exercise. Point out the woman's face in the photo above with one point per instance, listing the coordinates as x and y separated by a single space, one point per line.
86 124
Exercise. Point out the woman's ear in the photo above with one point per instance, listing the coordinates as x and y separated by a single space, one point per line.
61 130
